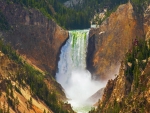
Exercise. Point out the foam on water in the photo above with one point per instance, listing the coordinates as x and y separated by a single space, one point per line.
72 73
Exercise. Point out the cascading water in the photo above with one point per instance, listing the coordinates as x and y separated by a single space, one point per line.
72 73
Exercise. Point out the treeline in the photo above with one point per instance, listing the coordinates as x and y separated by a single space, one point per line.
140 5
27 75
3 22
100 4
70 18
92 7
139 2
62 1
80 15
65 17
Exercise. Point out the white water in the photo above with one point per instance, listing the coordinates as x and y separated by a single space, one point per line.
72 73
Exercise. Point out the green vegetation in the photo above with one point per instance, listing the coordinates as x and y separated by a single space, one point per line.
114 109
139 5
6 49
140 2
3 108
136 60
27 75
78 17
3 22
137 56
65 17
92 7
96 5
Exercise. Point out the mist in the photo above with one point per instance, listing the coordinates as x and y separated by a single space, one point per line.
79 86
72 73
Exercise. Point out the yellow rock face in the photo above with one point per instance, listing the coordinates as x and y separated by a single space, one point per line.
119 30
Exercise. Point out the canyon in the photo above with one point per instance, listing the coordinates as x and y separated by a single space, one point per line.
110 42
34 36
39 40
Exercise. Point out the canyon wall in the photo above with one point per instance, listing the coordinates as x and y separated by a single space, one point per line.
37 38
129 91
122 95
109 43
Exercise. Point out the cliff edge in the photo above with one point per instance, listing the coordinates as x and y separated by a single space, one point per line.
109 43
37 38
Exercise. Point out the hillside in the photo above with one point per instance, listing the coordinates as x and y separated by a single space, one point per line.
25 89
79 15
94 7
27 70
129 91
53 9
92 4
110 42
37 38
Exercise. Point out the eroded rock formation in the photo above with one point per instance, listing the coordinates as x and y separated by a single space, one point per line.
121 95
34 36
109 43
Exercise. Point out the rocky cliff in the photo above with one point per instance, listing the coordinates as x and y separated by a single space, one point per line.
115 90
12 94
96 96
123 96
109 43
34 36
129 91
25 89
38 40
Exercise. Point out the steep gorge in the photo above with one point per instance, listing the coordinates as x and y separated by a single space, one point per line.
110 42
129 91
25 89
35 37
39 40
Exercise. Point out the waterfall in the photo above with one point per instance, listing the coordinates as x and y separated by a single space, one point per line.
72 73
73 55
